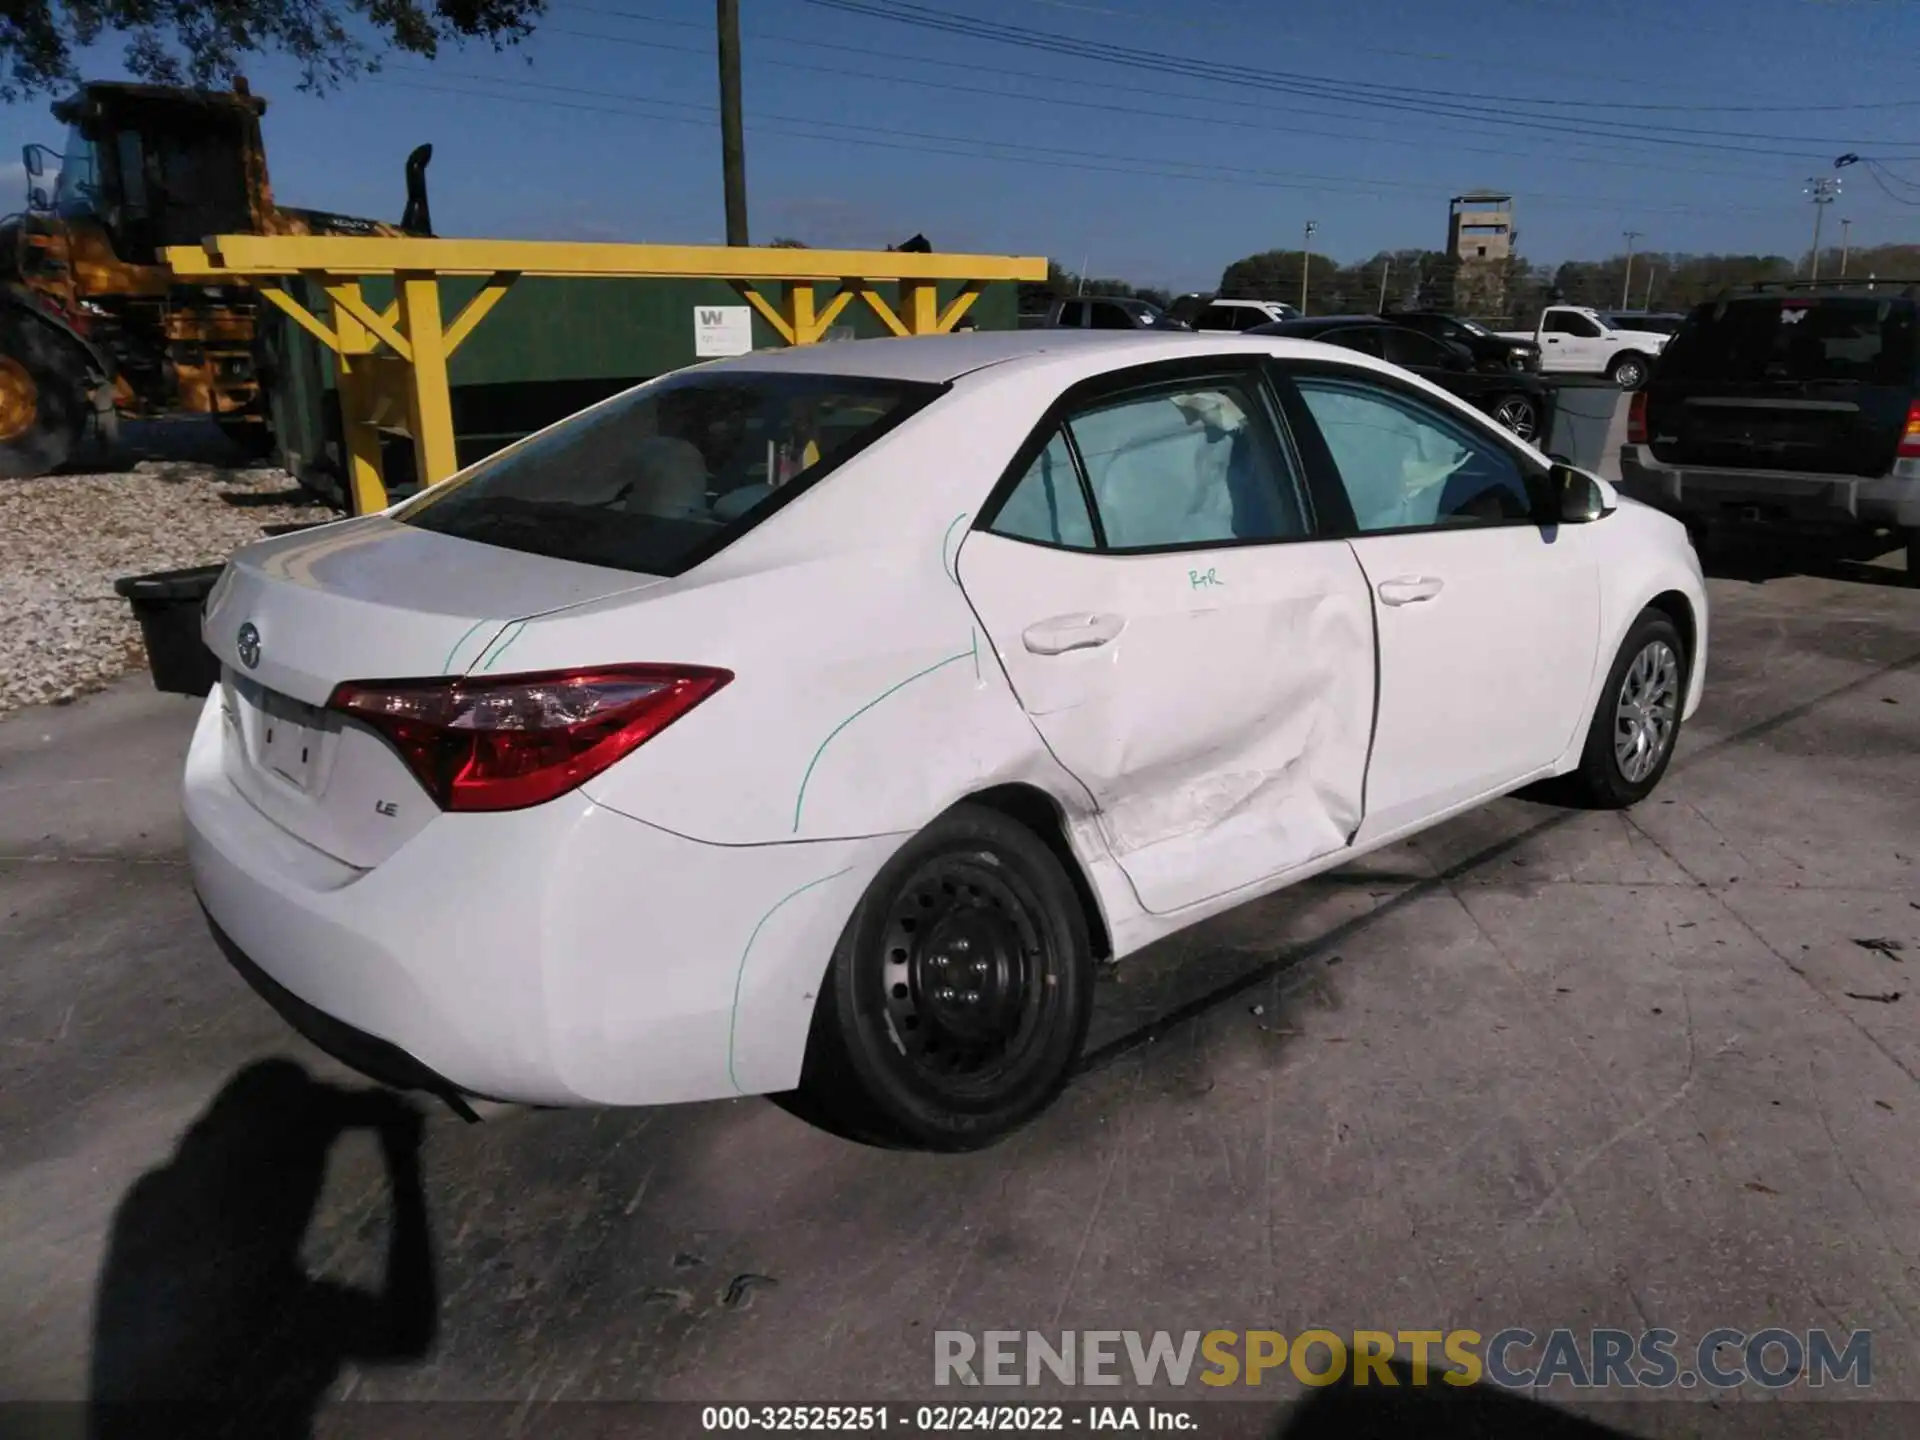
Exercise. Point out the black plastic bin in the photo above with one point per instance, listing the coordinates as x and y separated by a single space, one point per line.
168 605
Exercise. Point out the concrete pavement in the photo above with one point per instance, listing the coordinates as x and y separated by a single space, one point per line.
1537 1068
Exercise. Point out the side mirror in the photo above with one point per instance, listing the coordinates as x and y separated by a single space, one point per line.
1578 498
33 157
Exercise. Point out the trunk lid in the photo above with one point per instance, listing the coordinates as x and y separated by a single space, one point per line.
1816 384
366 599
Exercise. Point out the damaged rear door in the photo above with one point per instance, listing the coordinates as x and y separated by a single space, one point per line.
1151 581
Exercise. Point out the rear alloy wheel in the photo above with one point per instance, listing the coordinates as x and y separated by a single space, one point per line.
959 994
1519 414
1629 372
42 404
1631 740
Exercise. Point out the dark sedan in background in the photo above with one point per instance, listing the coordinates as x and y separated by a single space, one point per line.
1491 353
1518 399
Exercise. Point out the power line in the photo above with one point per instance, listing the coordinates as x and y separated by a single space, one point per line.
1475 122
935 143
1187 22
1341 92
1287 129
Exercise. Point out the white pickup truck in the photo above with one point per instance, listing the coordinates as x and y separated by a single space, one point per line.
1575 340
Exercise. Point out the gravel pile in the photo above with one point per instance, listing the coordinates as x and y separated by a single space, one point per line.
64 540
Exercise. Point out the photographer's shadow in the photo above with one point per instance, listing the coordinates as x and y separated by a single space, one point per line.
1433 1410
206 1321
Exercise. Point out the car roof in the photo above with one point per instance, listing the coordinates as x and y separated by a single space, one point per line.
941 359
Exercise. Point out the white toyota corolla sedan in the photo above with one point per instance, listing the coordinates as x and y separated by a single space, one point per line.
817 720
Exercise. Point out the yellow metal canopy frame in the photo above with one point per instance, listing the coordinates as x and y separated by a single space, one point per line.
392 362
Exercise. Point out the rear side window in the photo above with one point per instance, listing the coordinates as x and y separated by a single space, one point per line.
1048 504
1187 465
664 476
1770 338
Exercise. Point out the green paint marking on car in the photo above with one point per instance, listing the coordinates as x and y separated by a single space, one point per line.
800 799
465 636
504 643
740 975
953 568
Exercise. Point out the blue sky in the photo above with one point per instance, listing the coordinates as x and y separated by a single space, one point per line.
1245 120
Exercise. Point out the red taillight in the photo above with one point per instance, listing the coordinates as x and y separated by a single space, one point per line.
1910 437
1637 418
507 742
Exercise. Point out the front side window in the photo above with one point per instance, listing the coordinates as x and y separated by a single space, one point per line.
1188 464
1406 347
74 192
1110 316
1073 313
1365 339
1404 465
658 478
1220 317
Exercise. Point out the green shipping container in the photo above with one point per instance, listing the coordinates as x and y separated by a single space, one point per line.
549 348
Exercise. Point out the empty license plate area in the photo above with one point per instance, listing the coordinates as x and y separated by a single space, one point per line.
286 738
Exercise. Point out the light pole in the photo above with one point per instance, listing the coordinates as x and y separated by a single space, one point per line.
1626 281
1384 273
1846 234
1647 304
1824 190
1305 237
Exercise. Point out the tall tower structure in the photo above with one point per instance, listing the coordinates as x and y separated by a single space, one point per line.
1480 248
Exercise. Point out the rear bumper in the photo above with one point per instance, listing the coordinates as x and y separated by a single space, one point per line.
1828 501
562 955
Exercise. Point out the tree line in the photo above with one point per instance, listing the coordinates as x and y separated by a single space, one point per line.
1408 279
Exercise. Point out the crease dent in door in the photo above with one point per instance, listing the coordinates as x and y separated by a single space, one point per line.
1279 759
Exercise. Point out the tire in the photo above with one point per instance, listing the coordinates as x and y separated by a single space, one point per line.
1614 772
1629 371
1913 559
1520 414
898 1055
43 399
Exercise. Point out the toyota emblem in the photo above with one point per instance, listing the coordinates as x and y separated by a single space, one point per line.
249 642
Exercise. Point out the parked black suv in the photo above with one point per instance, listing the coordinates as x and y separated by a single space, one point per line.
1519 400
1491 353
1793 407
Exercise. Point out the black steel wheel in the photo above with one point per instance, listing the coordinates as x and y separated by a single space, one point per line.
959 995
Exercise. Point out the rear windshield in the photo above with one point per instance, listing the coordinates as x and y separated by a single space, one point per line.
1774 339
665 476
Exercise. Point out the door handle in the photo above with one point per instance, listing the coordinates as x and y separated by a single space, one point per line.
1553 339
1409 589
1071 632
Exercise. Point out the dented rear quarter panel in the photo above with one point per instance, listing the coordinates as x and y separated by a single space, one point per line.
866 699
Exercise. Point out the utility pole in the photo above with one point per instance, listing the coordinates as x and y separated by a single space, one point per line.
1647 304
1846 234
1384 273
1824 190
1626 281
1305 237
733 144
